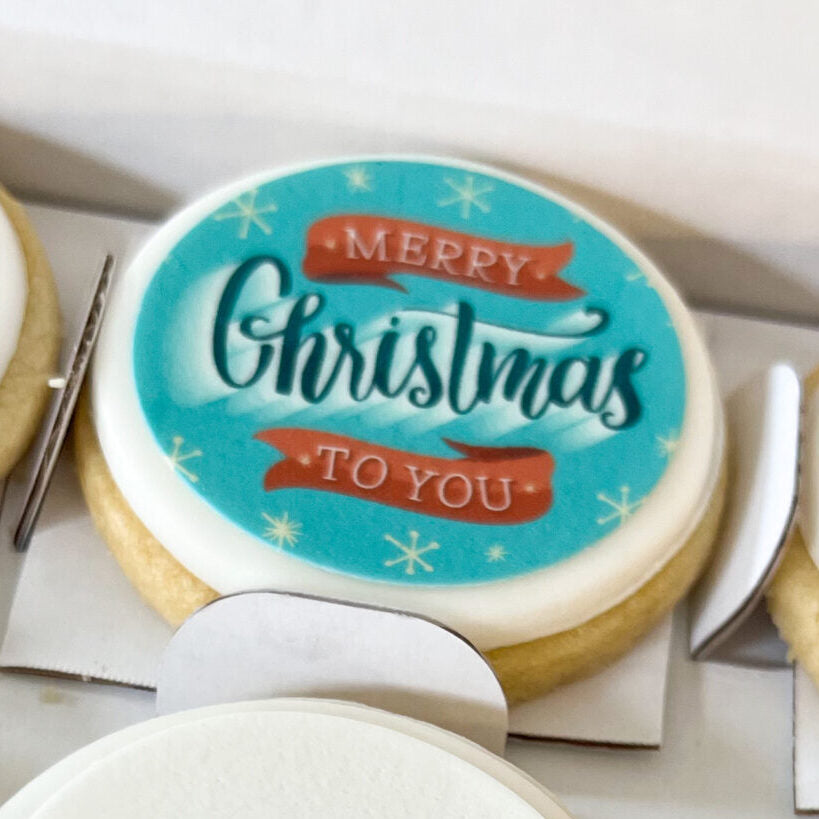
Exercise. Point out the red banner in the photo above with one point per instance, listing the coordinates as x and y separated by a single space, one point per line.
367 249
498 485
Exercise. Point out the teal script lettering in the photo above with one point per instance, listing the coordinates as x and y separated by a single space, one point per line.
297 353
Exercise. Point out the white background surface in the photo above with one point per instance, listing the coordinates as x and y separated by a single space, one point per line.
733 70
692 125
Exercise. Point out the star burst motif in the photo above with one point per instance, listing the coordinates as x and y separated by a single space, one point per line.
177 458
622 508
495 553
667 444
411 553
467 194
358 179
282 530
248 213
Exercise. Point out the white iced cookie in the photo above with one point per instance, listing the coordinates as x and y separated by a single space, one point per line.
293 758
29 332
421 384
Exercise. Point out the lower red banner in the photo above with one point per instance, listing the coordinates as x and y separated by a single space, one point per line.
492 485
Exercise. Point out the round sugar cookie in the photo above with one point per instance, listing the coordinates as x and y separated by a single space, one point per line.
416 383
793 596
285 757
29 332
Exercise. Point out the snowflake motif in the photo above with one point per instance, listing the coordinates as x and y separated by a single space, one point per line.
358 179
667 444
248 214
467 194
282 530
411 553
176 458
622 508
495 553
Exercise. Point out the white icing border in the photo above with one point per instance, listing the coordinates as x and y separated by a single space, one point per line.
505 612
14 288
29 800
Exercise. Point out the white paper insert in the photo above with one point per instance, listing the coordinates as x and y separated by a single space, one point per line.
259 645
763 424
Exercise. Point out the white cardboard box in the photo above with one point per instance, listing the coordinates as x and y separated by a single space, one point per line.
703 153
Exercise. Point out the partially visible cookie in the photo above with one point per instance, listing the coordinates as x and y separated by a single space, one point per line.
793 598
29 331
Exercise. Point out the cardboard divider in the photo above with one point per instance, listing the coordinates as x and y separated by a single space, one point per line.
46 450
258 645
622 706
763 425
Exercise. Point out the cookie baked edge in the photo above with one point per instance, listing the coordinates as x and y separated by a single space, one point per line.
525 670
24 390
